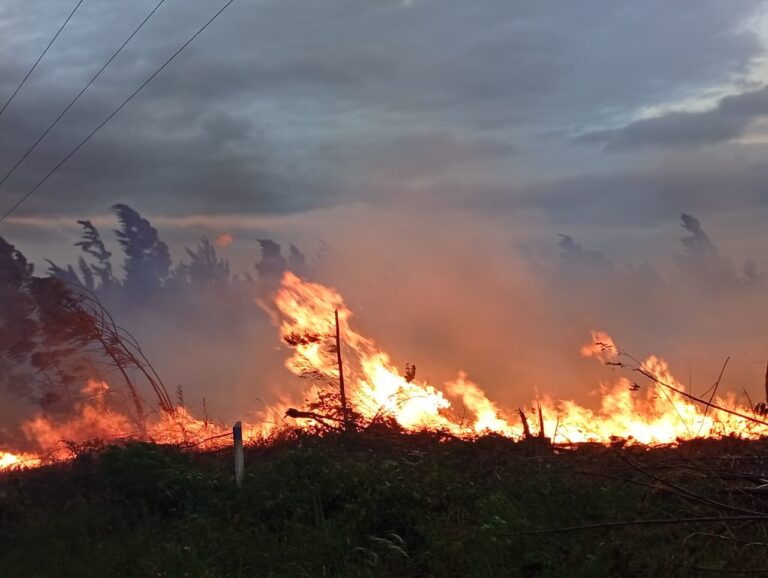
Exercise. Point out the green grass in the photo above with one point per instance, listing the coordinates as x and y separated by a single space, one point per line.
373 506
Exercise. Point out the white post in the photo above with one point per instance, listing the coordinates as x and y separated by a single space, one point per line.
237 435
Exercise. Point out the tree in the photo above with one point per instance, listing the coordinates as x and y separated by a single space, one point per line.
297 262
205 268
272 264
57 336
68 275
94 246
147 259
579 260
701 259
17 327
39 350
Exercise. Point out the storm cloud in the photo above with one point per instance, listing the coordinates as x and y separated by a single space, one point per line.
294 107
726 121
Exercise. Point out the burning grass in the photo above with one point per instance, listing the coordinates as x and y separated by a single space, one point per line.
391 503
315 324
379 473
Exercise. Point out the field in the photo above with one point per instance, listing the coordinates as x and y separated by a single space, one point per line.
386 504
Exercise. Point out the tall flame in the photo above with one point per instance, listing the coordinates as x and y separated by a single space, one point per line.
657 413
654 414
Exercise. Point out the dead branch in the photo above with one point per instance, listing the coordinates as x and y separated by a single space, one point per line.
321 419
526 430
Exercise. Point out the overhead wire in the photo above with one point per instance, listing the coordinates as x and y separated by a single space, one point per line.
79 94
39 58
90 135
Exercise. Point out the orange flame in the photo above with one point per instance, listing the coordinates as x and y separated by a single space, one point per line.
652 414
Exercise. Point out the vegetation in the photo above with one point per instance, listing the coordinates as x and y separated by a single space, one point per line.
56 334
62 329
386 504
341 502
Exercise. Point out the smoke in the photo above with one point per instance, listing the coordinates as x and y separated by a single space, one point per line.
444 291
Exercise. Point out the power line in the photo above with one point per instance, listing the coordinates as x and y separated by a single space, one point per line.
39 58
74 100
112 115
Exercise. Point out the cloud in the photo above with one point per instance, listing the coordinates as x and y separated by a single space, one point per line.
728 120
423 155
286 107
618 199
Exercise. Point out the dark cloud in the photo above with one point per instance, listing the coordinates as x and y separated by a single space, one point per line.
728 120
636 197
290 106
426 154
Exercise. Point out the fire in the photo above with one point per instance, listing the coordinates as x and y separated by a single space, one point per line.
10 461
93 422
658 412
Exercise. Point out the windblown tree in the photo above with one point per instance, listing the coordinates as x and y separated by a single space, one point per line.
99 274
54 338
297 262
93 276
272 263
575 257
148 266
37 341
18 326
199 298
205 268
701 258
147 259
592 267
703 262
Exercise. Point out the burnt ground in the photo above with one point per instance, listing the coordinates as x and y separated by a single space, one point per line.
390 504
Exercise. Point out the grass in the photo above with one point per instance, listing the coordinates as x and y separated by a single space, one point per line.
388 505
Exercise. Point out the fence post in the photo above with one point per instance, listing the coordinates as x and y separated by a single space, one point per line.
237 436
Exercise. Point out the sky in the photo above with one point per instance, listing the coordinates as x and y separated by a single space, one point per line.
601 119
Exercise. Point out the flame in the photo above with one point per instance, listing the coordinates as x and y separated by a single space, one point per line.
657 412
10 461
93 423
652 414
